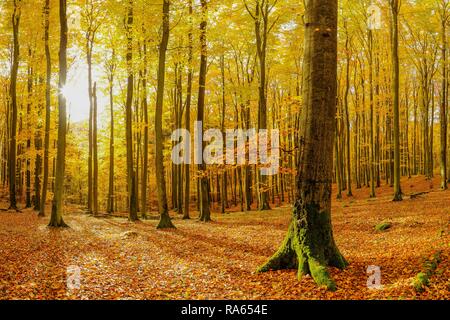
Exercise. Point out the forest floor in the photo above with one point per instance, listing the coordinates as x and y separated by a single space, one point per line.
122 260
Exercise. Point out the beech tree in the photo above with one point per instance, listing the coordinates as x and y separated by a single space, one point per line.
395 7
309 244
56 219
187 167
444 16
13 98
131 174
165 221
205 213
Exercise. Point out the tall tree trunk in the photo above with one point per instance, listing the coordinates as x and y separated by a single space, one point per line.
408 159
56 219
6 135
131 178
179 167
415 139
372 146
224 196
309 244
90 144
261 18
28 143
145 149
47 108
377 123
111 196
95 152
347 117
444 97
337 151
187 181
137 141
13 96
164 221
431 149
205 213
395 96
37 167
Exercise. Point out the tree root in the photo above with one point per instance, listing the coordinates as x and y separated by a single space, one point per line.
398 196
306 266
205 218
311 254
55 224
165 222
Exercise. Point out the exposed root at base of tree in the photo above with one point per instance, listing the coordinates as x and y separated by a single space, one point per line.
133 219
265 207
398 197
57 224
165 222
205 218
308 247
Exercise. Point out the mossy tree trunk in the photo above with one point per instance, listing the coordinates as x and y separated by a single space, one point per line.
309 245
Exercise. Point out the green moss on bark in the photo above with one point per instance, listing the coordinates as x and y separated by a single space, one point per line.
284 258
309 246
320 274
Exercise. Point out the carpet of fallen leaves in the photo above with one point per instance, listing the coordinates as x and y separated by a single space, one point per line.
122 260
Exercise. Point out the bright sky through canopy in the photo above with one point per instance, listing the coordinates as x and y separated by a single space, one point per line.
76 93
